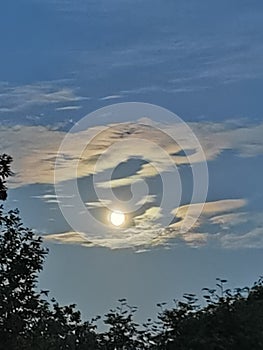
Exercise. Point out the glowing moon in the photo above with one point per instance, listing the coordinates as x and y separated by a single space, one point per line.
117 218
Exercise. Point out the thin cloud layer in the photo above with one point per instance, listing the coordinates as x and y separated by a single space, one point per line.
17 98
98 150
249 239
36 147
148 233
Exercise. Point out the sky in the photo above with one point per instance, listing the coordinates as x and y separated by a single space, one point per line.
146 107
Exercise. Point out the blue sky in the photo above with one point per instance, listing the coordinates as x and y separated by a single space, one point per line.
60 61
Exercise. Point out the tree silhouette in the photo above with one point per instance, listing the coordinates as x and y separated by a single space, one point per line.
27 319
231 320
21 259
5 172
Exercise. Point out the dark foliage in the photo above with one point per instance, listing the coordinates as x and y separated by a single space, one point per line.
29 320
5 171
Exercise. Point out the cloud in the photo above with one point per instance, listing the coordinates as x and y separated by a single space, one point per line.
68 108
148 199
226 221
94 150
209 208
99 204
17 98
250 239
217 137
110 97
186 216
147 232
37 147
146 219
194 239
187 213
34 149
68 237
239 230
98 150
52 198
128 239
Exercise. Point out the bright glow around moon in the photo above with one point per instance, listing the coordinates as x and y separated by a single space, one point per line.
117 218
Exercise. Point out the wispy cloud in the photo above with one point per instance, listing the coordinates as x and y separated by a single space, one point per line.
36 147
239 230
68 237
148 233
185 215
226 221
51 198
68 108
188 212
249 239
17 98
98 204
35 150
110 97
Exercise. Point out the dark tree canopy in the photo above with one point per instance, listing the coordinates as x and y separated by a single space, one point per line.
5 171
29 320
